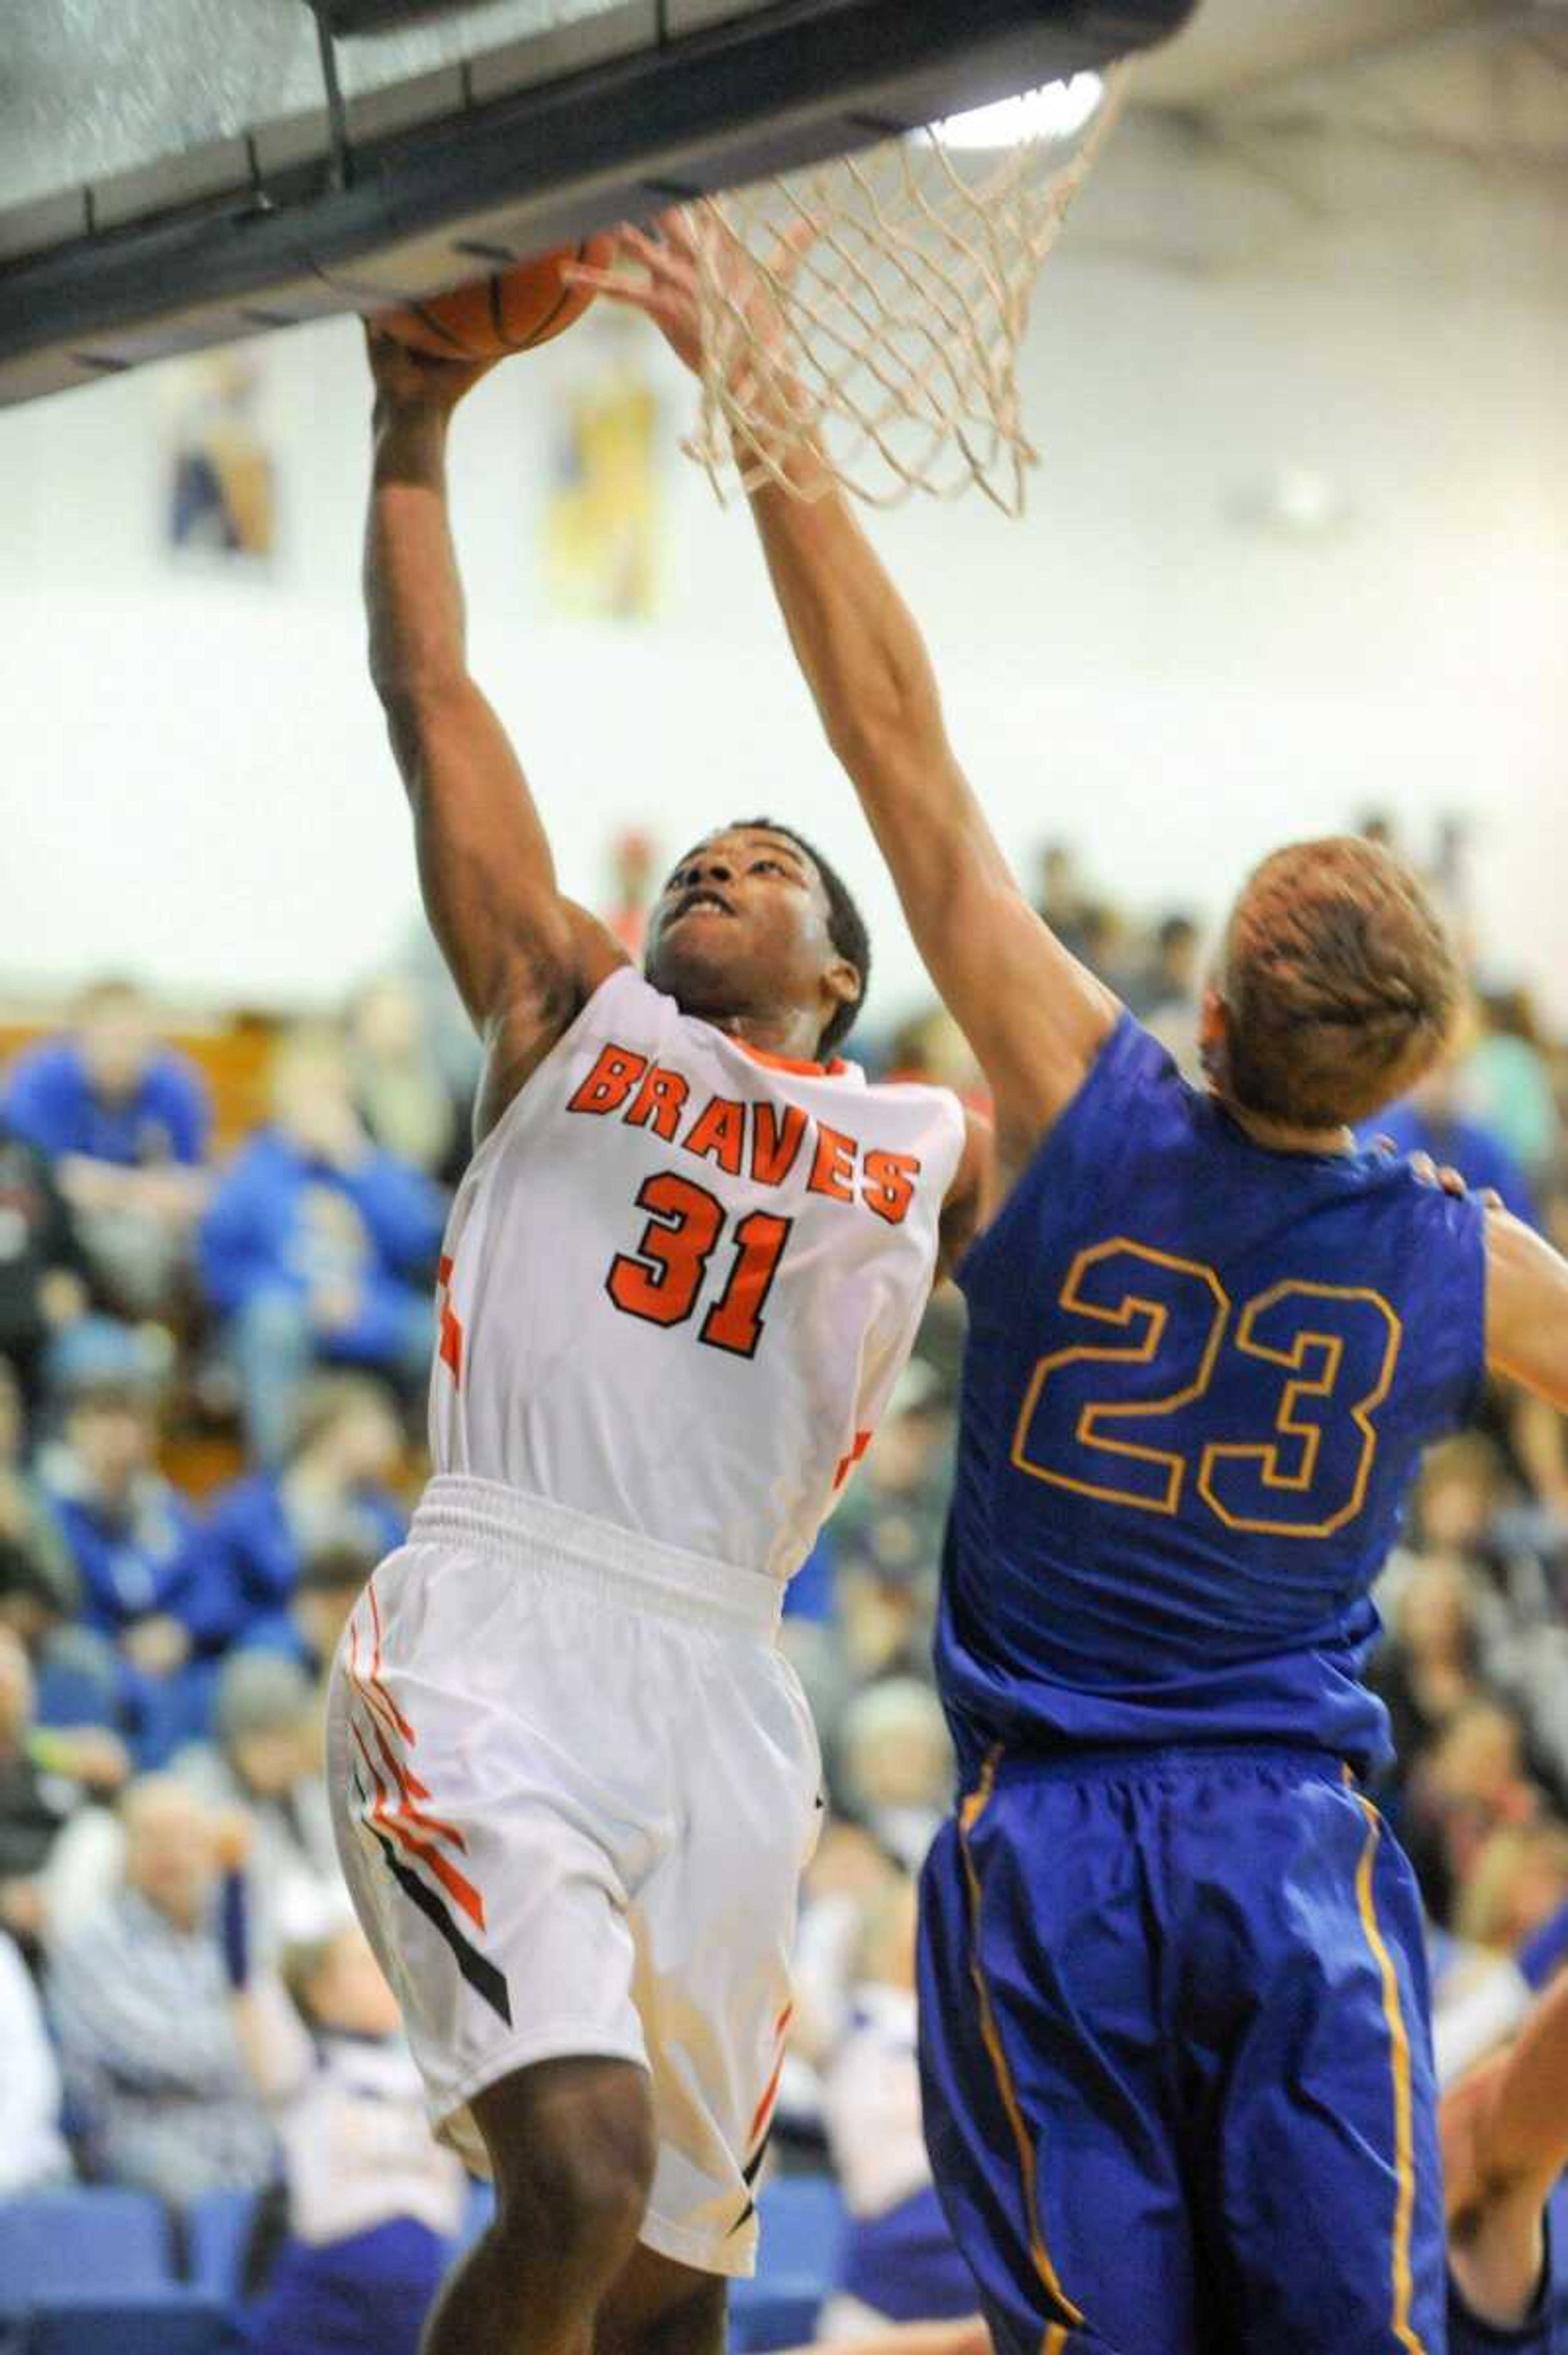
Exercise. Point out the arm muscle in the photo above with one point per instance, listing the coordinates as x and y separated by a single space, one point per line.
524 958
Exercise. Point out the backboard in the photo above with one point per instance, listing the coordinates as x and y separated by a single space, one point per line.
178 173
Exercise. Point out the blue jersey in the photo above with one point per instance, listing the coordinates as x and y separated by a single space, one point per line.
1200 1377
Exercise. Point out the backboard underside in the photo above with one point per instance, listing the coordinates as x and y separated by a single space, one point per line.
407 175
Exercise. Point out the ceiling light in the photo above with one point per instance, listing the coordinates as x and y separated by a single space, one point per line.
1056 112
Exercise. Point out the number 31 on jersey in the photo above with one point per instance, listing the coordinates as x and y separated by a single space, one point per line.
663 1279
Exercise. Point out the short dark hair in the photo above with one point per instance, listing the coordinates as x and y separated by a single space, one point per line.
1340 984
846 926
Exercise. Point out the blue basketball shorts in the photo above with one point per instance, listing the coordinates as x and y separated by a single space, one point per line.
1175 2063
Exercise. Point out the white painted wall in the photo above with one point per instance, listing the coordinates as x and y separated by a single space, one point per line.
194 783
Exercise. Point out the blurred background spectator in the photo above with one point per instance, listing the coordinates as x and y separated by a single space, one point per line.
328 1491
33 2156
409 1105
372 2205
124 1122
43 1268
133 1539
318 1245
140 2003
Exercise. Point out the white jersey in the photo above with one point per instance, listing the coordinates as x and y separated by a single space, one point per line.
681 1277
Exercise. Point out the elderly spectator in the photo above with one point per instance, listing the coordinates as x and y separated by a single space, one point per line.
318 1245
140 2002
329 1491
262 1770
125 1123
266 1767
33 2156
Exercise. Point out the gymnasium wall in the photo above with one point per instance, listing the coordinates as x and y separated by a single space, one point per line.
1170 662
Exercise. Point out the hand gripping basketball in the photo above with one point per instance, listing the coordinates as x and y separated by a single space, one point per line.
512 310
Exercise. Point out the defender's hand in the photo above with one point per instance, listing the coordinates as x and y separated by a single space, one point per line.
407 380
661 277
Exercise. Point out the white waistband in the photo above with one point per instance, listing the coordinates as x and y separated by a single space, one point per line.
530 1531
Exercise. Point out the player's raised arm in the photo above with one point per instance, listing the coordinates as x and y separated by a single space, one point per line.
1034 1015
524 958
1527 1309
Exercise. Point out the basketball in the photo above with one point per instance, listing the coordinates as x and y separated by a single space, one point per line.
510 311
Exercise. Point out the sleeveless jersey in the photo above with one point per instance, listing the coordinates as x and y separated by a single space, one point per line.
681 1278
1199 1378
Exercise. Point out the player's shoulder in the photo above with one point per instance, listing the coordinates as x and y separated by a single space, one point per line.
1133 1089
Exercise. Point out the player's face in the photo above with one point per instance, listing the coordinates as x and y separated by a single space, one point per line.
741 927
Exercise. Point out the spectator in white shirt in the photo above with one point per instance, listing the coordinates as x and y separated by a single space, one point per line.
32 2154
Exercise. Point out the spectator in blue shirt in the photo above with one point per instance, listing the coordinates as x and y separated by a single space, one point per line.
124 1122
145 1585
1433 1119
329 1492
318 1247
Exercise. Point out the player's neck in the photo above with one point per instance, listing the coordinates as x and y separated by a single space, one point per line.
1283 1136
793 1038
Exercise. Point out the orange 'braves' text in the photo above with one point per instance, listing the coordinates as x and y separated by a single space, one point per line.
763 1141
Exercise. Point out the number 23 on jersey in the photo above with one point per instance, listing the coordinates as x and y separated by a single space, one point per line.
1321 1358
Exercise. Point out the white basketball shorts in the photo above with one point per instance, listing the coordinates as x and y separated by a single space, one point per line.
574 1783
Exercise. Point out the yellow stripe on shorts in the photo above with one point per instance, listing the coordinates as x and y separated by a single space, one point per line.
1399 2056
974 1808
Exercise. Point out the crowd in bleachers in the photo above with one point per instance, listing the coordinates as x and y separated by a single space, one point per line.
213 1347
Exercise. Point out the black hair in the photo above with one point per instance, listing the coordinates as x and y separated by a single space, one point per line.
845 927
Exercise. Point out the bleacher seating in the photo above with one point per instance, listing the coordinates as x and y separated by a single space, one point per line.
217 2232
56 2244
173 2322
91 2270
801 2218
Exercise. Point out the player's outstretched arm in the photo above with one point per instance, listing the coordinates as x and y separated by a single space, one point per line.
524 958
1527 1309
1505 2143
1033 1015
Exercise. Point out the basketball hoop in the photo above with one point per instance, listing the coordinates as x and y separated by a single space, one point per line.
877 305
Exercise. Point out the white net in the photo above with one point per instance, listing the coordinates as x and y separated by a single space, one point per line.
878 303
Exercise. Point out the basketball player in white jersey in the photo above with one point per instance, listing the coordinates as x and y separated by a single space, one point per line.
575 1780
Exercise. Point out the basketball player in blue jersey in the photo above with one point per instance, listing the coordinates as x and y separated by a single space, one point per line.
1176 2077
